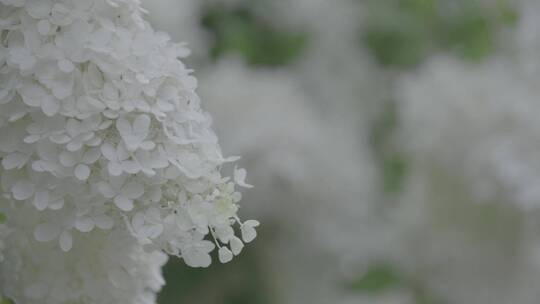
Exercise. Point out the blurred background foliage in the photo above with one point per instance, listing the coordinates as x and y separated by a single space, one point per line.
240 282
398 34
402 32
238 30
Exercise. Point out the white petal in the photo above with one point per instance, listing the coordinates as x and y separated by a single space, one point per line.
196 258
240 178
124 127
84 224
46 232
91 156
60 138
22 190
32 94
236 245
97 104
41 199
225 255
30 139
66 241
44 27
132 190
104 222
39 9
123 203
109 152
147 145
131 167
252 223
248 233
50 105
14 160
82 172
224 233
134 135
106 189
138 220
56 205
67 159
66 66
115 169
154 231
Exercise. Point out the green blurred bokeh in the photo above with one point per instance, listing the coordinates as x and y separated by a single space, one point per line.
402 33
238 282
238 30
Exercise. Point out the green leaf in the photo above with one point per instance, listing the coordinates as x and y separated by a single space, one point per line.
241 281
3 219
377 279
5 301
401 33
238 30
391 161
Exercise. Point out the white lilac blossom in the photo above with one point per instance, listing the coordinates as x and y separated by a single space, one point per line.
102 136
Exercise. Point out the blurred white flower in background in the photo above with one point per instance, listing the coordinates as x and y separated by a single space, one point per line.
468 214
107 158
313 176
478 122
340 78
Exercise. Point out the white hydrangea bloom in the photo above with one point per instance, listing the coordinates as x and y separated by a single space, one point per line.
101 137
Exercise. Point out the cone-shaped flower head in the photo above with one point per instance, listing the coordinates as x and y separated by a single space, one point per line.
107 159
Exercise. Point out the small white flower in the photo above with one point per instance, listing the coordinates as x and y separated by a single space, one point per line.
35 95
148 224
122 192
248 230
225 255
236 245
196 253
240 178
134 134
22 190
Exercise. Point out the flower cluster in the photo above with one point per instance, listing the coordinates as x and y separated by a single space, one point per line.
102 134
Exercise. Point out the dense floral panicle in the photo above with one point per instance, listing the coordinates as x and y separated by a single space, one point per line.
102 267
101 130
